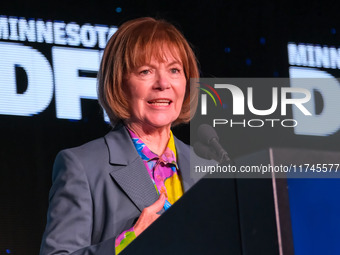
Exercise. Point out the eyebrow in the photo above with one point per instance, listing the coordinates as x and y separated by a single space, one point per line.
175 62
170 64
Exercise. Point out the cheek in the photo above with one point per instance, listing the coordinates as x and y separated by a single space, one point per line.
135 95
182 91
180 99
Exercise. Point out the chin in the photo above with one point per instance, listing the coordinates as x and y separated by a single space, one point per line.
161 122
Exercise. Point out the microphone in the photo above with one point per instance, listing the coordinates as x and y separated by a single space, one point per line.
204 151
208 136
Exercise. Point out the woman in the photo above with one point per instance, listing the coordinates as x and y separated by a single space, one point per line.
108 191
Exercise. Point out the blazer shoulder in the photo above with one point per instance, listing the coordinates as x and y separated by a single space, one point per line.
88 157
181 146
88 150
189 150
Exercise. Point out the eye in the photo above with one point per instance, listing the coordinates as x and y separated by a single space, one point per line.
175 70
144 72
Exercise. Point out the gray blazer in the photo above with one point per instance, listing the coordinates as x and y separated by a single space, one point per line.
99 190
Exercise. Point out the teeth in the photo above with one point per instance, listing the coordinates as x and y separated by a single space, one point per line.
160 102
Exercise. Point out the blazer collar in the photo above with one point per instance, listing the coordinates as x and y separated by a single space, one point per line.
128 169
121 149
183 152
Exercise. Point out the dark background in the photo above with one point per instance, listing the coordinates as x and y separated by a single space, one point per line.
230 38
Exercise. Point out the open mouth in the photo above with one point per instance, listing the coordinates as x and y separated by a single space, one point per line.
160 102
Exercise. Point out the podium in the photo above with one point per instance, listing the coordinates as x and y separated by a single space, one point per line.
231 216
203 221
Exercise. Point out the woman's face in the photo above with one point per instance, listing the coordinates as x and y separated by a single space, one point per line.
156 92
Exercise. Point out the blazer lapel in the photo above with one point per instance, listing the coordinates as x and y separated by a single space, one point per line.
183 152
128 168
129 171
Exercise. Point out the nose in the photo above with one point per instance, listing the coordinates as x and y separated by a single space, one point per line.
162 81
